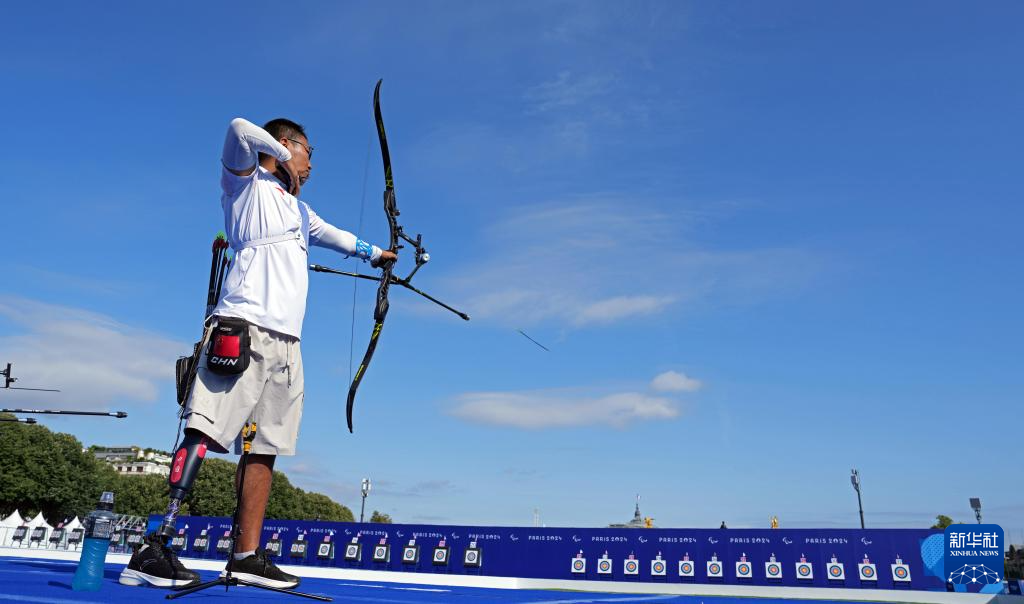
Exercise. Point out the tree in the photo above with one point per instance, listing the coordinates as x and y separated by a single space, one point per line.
48 472
315 505
285 502
941 522
139 495
380 517
213 492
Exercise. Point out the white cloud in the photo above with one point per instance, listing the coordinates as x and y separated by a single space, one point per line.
673 381
602 260
567 90
613 309
568 408
96 361
545 410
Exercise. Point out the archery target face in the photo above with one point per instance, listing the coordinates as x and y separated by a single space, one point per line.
409 554
773 570
324 549
579 565
867 572
900 572
440 555
351 552
472 557
631 567
604 566
714 569
685 568
380 553
658 567
804 571
743 569
835 571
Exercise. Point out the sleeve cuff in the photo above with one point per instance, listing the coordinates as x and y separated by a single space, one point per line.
366 251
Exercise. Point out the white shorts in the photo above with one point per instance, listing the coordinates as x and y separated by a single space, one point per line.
269 392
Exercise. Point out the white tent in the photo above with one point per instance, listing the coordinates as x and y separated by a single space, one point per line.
39 521
14 519
70 526
7 526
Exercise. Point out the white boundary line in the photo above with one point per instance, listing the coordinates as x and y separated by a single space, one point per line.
689 589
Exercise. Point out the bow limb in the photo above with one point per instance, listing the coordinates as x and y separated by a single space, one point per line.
380 311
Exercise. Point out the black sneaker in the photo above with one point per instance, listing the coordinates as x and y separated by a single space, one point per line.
261 571
154 563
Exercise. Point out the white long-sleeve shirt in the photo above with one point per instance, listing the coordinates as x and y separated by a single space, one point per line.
269 229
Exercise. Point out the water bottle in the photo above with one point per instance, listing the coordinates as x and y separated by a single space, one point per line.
98 527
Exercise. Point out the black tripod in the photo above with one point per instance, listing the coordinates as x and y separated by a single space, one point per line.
228 580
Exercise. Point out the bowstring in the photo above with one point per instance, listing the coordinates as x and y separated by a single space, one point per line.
359 230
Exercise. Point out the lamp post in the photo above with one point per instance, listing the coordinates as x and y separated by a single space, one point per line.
976 506
855 481
365 487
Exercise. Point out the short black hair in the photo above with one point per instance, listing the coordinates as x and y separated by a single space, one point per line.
283 128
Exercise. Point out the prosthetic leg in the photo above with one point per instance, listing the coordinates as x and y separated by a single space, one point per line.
229 580
184 470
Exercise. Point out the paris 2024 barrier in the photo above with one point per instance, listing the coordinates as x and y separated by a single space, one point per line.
873 558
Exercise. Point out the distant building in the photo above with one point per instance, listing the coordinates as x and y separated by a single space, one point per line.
638 521
134 461
140 468
157 457
115 454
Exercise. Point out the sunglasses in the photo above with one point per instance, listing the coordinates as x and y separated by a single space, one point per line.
309 149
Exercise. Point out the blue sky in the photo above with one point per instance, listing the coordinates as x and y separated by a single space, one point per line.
765 243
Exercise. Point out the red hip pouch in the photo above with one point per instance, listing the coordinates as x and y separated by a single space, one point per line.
228 353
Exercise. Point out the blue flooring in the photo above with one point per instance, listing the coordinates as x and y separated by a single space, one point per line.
49 582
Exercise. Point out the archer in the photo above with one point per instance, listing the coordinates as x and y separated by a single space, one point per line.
252 369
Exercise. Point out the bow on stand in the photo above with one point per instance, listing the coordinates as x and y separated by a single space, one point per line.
387 278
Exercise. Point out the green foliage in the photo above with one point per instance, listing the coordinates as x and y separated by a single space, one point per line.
213 492
49 472
323 507
288 502
284 499
137 495
380 517
1013 564
941 522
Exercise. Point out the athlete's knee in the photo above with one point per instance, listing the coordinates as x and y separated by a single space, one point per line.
262 459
